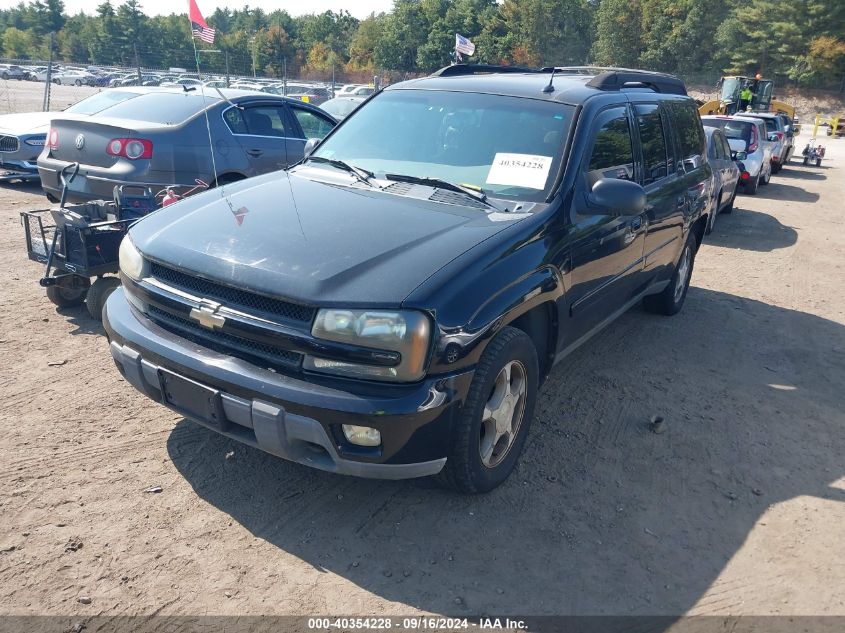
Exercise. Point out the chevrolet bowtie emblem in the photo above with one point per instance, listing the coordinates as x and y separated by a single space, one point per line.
208 317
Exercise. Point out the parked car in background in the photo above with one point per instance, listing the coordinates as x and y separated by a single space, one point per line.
726 174
72 78
778 134
23 135
748 136
12 71
160 138
391 306
342 107
840 128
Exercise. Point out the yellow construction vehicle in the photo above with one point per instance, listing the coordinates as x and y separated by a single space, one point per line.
730 97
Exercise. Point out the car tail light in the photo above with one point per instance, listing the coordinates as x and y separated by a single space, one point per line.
131 148
53 138
745 175
752 146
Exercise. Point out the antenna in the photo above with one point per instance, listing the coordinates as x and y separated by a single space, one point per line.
549 88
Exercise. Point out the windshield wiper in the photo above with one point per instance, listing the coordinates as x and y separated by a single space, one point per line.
444 184
361 174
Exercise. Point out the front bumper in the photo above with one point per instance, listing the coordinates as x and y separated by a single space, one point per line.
290 417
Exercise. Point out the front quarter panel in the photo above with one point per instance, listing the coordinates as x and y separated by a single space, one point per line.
473 297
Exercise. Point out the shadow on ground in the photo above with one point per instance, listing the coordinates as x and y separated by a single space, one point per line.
598 500
749 230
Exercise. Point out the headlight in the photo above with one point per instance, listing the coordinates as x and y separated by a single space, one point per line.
131 260
406 332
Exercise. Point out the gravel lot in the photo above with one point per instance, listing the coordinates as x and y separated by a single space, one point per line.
738 508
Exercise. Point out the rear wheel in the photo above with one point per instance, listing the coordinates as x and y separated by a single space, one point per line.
97 295
767 176
751 185
487 440
671 299
68 291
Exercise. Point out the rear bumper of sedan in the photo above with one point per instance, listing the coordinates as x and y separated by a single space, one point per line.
96 183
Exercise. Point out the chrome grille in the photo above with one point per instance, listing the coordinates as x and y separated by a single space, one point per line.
9 143
252 351
235 298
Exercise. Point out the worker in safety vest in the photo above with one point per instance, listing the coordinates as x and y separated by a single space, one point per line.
745 96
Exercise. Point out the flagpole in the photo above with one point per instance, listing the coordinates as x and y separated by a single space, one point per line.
205 110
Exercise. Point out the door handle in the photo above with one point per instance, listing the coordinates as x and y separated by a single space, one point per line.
633 230
255 152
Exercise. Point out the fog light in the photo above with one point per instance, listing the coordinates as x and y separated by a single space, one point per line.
362 435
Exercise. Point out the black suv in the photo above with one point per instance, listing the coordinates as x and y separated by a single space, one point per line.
390 306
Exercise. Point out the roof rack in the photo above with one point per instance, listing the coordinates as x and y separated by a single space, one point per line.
457 70
611 78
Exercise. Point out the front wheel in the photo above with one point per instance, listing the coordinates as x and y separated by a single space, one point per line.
97 295
671 299
487 440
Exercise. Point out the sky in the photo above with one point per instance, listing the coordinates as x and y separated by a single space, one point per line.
358 8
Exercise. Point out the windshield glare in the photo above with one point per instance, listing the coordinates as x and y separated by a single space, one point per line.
100 101
509 147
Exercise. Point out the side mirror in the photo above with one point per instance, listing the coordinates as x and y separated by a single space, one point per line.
310 145
614 196
773 138
739 155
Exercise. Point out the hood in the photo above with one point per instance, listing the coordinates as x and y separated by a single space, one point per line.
26 123
315 242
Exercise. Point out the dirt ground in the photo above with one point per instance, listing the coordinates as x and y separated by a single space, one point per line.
738 508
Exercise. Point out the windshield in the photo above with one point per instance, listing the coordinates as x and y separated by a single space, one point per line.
732 128
101 101
166 108
730 89
508 147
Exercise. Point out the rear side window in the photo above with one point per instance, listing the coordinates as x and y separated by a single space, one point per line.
612 155
653 141
265 120
691 139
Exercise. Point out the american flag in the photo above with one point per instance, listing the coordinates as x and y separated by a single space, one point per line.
463 46
198 26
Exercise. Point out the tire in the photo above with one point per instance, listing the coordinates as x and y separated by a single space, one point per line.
51 197
97 295
751 187
776 168
227 179
730 207
765 181
671 299
78 82
473 465
69 294
6 76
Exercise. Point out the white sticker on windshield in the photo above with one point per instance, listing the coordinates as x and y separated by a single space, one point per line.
520 170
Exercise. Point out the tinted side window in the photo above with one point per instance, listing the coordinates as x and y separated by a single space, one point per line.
653 141
235 120
313 126
612 154
265 120
691 141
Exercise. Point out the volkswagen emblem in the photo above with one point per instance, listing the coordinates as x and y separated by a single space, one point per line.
80 141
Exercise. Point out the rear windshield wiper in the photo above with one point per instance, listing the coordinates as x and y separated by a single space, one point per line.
479 196
361 174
